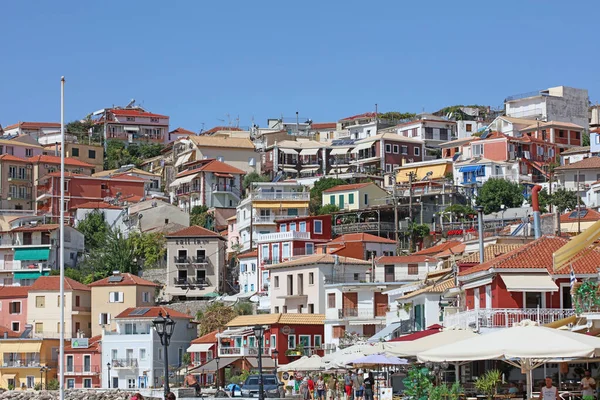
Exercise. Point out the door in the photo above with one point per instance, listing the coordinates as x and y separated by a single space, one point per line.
129 356
476 298
488 296
566 300
69 364
87 363
115 382
389 273
418 317
181 256
201 276
350 304
276 253
182 276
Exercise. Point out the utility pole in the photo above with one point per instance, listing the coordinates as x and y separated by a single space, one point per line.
411 238
396 217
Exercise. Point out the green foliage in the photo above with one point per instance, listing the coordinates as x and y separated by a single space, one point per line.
37 386
496 192
244 308
544 200
200 216
94 228
586 297
460 211
488 383
458 114
252 177
238 379
118 154
395 115
53 384
419 231
75 274
150 248
328 209
186 359
79 127
564 199
149 150
417 384
316 193
585 139
117 254
215 317
11 387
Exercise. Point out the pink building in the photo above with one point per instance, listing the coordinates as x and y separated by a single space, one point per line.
83 363
134 125
13 307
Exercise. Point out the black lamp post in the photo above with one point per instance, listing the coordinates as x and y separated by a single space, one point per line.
42 377
259 332
164 328
108 367
275 354
217 359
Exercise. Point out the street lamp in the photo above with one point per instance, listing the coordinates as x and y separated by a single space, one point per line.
42 370
259 332
164 328
108 366
217 359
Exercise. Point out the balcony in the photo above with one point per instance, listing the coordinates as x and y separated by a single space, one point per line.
190 260
242 351
502 317
19 196
25 362
82 370
125 363
281 196
281 236
363 313
270 219
271 261
223 188
364 227
19 178
186 189
191 282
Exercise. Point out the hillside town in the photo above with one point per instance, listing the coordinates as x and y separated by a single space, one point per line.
342 238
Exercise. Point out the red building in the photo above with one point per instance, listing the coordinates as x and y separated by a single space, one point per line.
80 189
83 363
202 351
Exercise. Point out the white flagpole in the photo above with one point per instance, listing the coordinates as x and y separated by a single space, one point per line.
62 239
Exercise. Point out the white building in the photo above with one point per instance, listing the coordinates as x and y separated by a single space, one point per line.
248 278
433 130
560 103
466 129
582 177
34 129
575 154
134 351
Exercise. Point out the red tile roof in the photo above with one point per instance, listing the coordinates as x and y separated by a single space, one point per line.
211 165
36 228
46 159
538 255
404 259
153 313
8 157
458 249
221 128
194 231
96 205
353 186
182 131
360 116
136 113
432 330
586 163
323 125
93 345
47 283
67 175
208 338
33 125
13 292
438 248
360 237
249 254
128 280
590 216
126 177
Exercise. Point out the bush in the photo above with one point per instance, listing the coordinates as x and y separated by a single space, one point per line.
38 386
53 384
488 383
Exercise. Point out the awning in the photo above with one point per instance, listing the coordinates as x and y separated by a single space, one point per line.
32 254
309 152
363 146
9 376
471 168
432 172
340 170
288 151
267 362
222 175
181 181
478 283
211 366
21 347
368 322
290 170
131 128
183 160
285 204
562 322
529 283
311 169
338 151
199 347
385 333
18 275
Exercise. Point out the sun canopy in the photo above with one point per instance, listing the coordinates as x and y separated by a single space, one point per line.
200 347
378 359
312 363
385 333
576 245
529 283
288 151
362 146
211 366
360 349
183 159
339 151
309 152
471 168
414 347
32 254
183 180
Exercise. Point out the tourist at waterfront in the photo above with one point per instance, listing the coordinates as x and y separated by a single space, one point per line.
320 386
348 385
548 391
170 396
369 383
588 386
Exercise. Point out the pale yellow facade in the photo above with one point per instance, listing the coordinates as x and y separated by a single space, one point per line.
43 312
22 360
356 199
106 305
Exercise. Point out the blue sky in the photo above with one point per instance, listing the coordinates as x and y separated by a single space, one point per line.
200 60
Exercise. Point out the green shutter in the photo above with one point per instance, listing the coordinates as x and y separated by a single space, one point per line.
332 199
341 200
351 198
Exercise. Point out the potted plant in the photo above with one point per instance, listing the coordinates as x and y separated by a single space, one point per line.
417 384
488 383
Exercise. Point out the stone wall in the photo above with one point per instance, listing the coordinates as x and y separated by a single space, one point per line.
69 395
155 275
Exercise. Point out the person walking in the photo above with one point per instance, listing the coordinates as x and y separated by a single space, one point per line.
348 386
548 391
304 391
588 386
357 383
320 385
191 381
369 384
332 387
311 387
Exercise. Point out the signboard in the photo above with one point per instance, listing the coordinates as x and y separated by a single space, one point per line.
80 343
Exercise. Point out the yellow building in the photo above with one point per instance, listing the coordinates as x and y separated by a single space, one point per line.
113 295
43 308
355 196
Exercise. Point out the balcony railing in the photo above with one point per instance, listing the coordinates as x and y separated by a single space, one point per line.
279 236
226 188
346 278
17 177
82 369
265 219
364 227
122 363
22 363
191 282
269 261
299 196
243 351
190 260
503 317
359 313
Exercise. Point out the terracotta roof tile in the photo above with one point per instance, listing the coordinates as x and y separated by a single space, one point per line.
128 280
323 125
437 287
250 320
438 248
96 205
194 231
456 250
353 186
33 125
36 228
249 254
211 165
182 131
8 157
576 150
586 163
221 128
13 292
318 259
404 259
360 116
590 215
52 283
302 319
222 141
93 345
153 313
208 338
489 252
46 159
361 237
283 319
136 113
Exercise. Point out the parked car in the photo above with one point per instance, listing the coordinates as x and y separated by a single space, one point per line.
271 386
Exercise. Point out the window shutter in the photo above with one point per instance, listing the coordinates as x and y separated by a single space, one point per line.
120 297
108 318
100 319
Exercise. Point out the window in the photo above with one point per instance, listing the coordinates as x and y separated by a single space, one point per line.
311 278
40 301
70 383
14 307
87 363
577 136
285 250
77 301
396 149
388 148
339 331
330 300
276 282
477 150
282 227
304 341
16 327
130 383
302 226
292 227
115 297
28 152
332 197
291 342
92 154
318 226
413 269
10 150
273 342
30 381
405 150
276 309
561 133
39 327
253 267
310 248
366 199
318 339
87 382
285 309
351 198
146 297
130 119
75 152
104 319
469 127
417 151
388 168
252 287
311 308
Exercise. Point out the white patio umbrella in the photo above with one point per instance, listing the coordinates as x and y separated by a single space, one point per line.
312 363
526 347
414 347
362 349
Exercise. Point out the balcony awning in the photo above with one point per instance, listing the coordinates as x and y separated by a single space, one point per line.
576 245
368 321
311 169
200 347
267 362
223 175
478 283
362 146
529 283
131 128
32 254
309 152
282 204
433 172
339 170
343 150
288 151
385 334
32 274
181 181
21 347
211 366
290 170
9 376
471 168
183 160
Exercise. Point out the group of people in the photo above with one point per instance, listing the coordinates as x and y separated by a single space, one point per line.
588 388
350 386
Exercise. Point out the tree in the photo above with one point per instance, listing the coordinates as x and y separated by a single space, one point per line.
215 317
544 199
79 127
497 192
459 210
75 274
316 193
396 116
244 308
564 199
149 150
252 177
149 247
200 216
94 228
117 254
328 209
117 155
585 139
420 231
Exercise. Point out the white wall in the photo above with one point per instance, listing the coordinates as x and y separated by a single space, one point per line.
249 278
